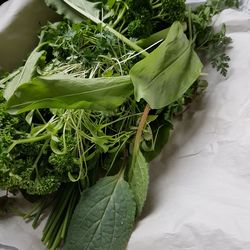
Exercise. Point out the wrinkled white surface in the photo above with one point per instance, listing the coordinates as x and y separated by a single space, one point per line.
199 196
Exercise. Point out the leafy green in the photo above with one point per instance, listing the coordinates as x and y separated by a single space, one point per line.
152 39
140 28
61 91
211 45
89 67
25 75
176 66
103 218
139 181
62 9
173 11
90 7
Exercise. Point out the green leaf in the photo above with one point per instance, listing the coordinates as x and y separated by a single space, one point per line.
103 218
63 9
154 38
90 7
139 181
25 75
70 8
67 92
166 73
9 77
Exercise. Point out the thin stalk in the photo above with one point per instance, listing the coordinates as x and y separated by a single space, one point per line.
34 166
28 140
120 16
116 154
57 239
55 215
33 211
138 136
140 129
54 242
39 213
157 6
70 211
190 25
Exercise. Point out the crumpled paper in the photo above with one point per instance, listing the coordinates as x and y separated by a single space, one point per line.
199 194
200 185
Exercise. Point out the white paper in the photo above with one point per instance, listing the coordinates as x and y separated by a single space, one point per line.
200 185
199 195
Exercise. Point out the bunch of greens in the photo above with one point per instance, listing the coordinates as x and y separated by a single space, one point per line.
94 103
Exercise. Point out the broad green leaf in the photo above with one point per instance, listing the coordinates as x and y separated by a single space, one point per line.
63 9
90 7
67 92
103 218
25 75
139 181
166 73
154 38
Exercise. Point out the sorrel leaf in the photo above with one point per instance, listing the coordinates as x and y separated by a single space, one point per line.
67 92
166 73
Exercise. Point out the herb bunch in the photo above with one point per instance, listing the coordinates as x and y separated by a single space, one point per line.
94 103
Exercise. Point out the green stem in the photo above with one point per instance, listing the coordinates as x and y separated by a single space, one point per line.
120 17
39 213
28 140
116 154
138 136
34 166
190 24
54 219
157 6
140 129
70 211
57 240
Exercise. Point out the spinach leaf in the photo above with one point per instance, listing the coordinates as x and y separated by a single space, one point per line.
166 73
103 218
67 92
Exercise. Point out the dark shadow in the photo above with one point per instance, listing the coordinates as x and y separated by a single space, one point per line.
3 1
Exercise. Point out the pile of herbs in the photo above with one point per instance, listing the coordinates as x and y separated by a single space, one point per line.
94 104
